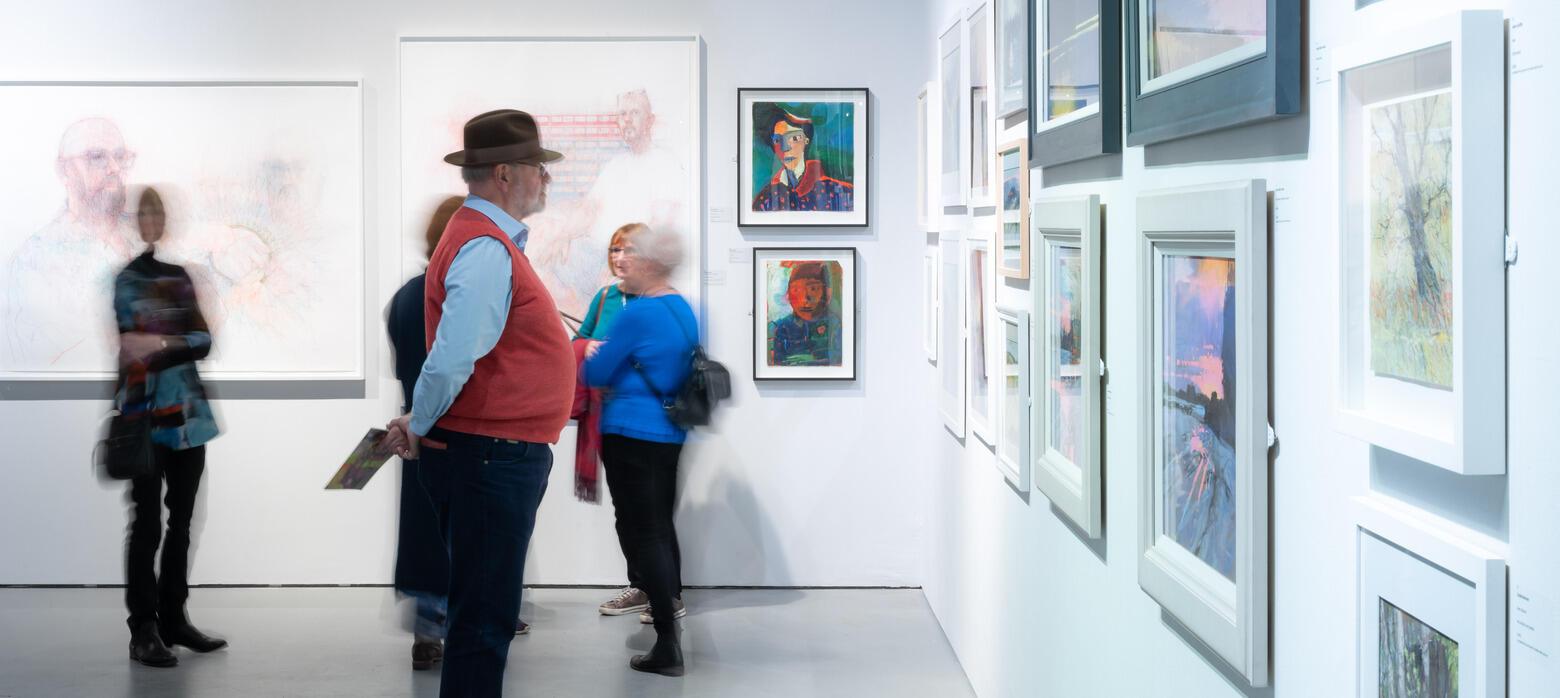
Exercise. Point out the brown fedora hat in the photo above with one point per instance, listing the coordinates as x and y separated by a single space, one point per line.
502 135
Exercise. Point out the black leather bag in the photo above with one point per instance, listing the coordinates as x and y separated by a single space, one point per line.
125 452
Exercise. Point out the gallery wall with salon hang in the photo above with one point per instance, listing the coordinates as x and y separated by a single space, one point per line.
1245 388
300 146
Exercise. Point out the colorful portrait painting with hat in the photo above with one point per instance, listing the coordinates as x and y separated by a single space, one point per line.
802 300
804 156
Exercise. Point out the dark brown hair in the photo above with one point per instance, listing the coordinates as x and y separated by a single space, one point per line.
440 220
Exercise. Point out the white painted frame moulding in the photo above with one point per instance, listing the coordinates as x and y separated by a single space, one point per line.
981 198
981 418
923 182
955 184
931 271
1475 443
950 319
1074 487
1016 470
1227 219
1445 550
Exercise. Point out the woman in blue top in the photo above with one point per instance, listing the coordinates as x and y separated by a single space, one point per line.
161 335
645 362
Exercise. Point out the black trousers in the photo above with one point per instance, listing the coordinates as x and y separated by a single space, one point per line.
151 597
642 477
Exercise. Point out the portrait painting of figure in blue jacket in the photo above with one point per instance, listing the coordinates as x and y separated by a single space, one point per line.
806 330
803 156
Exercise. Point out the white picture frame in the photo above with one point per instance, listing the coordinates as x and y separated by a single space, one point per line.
980 293
953 114
923 155
783 335
1010 69
1450 413
1436 578
1067 233
1011 368
931 307
1212 578
950 323
978 67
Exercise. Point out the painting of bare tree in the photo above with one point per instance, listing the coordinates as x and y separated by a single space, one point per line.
1409 150
1416 660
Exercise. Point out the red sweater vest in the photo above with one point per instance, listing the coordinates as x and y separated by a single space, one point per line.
524 387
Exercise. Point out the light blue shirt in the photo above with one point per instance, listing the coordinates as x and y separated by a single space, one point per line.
476 306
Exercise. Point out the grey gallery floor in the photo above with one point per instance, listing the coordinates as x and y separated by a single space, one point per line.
349 642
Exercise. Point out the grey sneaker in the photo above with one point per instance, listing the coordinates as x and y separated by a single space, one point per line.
627 601
680 611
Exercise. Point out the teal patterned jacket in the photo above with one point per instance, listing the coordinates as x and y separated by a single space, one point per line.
159 298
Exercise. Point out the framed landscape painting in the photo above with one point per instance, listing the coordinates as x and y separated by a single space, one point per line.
1075 66
1012 55
1013 210
802 157
804 313
1202 259
1011 371
953 114
980 293
950 347
1421 360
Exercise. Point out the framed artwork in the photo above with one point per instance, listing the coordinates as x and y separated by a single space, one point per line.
931 311
1431 598
627 115
1012 56
1421 361
953 115
802 157
1202 261
1012 371
804 313
1013 258
1075 66
923 115
950 346
268 225
1195 66
1067 362
982 193
979 292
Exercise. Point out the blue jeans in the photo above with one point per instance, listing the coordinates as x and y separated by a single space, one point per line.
487 505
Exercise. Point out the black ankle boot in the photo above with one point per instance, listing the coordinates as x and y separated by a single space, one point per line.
186 635
665 658
147 648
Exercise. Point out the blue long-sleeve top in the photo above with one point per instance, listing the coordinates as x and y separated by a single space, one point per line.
659 333
476 307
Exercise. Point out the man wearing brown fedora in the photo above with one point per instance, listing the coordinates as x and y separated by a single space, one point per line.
494 392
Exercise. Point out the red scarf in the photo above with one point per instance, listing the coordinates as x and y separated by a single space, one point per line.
587 444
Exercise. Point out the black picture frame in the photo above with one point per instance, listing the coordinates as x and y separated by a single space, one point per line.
1091 136
862 200
848 310
1260 88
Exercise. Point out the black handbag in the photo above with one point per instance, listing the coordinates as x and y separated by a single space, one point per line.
708 383
125 452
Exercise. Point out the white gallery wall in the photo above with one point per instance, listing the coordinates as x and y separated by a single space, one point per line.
800 483
1034 608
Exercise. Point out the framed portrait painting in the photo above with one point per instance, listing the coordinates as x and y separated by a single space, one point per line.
1067 363
1075 66
1195 66
802 157
1203 537
1431 600
1421 360
804 313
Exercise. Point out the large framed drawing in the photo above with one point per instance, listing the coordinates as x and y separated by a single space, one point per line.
950 345
1075 66
1202 264
1013 396
979 293
982 126
802 157
1012 55
1195 66
262 182
1421 361
931 311
954 113
804 313
626 116
1013 168
1431 599
1067 361
923 189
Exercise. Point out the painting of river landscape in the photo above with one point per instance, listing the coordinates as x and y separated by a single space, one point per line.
1066 353
1197 407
